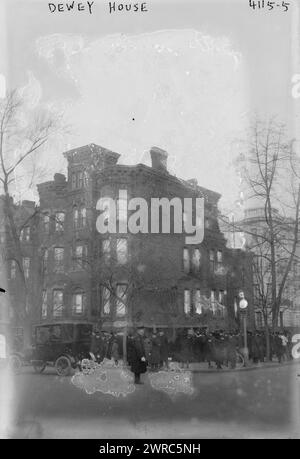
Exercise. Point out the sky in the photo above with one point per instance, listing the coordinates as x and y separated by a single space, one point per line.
186 76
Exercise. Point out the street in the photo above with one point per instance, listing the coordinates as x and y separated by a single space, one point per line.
239 404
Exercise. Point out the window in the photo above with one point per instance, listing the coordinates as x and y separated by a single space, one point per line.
26 267
187 301
121 251
258 319
213 301
106 300
219 259
281 319
73 181
212 259
13 269
196 260
106 250
197 302
186 260
79 217
256 292
80 179
121 293
45 260
75 217
77 180
107 211
59 221
25 234
57 303
296 268
78 303
46 223
221 296
58 259
79 258
122 209
44 304
82 217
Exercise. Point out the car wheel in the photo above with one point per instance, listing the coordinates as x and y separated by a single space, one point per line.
240 361
39 367
15 363
63 366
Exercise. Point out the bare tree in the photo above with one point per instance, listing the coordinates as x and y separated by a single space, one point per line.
24 132
269 168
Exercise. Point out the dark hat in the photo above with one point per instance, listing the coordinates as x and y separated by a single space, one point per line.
140 327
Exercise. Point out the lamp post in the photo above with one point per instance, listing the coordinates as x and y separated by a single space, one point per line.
243 305
3 331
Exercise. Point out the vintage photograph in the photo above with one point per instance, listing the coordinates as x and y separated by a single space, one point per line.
149 219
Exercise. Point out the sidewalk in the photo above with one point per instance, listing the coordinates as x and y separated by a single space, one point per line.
202 367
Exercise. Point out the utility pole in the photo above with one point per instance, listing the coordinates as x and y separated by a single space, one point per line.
243 304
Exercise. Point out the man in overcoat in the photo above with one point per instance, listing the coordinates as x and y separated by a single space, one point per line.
136 354
163 348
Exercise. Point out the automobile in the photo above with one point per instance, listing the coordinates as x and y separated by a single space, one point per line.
60 344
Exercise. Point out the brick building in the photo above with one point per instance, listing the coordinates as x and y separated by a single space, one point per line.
123 278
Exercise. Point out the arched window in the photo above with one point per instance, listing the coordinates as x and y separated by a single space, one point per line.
78 303
57 302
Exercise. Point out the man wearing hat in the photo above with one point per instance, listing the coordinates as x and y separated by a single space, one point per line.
97 350
136 354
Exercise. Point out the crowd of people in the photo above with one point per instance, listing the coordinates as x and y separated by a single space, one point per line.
153 349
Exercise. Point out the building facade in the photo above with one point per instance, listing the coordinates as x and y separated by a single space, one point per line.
254 226
119 279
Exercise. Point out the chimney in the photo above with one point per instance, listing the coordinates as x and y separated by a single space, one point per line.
59 178
193 182
159 159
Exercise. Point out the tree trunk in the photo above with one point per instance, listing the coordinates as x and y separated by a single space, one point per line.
268 344
275 317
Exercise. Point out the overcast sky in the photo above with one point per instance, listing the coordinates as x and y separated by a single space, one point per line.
184 76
